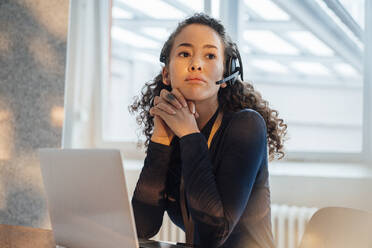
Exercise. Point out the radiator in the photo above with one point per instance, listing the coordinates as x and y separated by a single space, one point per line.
288 225
169 231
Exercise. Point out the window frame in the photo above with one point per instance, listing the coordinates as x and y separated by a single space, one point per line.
230 16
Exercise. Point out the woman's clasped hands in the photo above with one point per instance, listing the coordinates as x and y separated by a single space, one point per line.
173 115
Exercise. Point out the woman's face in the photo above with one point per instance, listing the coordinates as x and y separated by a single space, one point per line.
196 63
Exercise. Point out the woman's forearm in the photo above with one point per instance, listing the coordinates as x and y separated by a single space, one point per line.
149 198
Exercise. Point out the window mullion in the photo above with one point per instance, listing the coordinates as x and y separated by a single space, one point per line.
367 100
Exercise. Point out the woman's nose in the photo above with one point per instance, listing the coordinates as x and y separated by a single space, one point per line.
195 65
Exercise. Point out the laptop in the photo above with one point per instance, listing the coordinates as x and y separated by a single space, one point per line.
88 200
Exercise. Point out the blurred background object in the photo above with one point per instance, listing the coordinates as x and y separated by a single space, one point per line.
33 38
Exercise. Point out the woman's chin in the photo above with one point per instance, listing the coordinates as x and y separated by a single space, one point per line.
193 94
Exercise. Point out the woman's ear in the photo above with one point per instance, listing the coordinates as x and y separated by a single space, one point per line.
165 75
223 85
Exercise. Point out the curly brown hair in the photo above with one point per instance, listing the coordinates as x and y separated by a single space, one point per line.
236 96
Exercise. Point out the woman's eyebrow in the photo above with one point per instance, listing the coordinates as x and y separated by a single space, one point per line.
209 46
190 45
185 44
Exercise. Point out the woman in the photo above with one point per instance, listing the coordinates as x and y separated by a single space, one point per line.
207 155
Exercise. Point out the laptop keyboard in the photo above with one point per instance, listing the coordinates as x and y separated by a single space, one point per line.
156 244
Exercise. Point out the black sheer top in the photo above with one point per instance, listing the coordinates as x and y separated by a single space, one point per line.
227 188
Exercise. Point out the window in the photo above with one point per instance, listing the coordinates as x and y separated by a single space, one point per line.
305 57
308 63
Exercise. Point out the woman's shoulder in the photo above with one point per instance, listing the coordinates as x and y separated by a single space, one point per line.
244 127
244 124
247 112
246 116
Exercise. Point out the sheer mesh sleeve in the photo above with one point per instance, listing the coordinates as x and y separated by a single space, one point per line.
217 201
149 196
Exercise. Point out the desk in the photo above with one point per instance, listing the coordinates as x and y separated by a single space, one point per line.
25 237
29 237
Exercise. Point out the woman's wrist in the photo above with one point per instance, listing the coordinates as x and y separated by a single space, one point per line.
188 132
164 140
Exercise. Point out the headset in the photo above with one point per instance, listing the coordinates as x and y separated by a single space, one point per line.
232 70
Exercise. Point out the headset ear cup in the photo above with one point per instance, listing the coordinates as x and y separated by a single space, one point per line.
233 65
233 69
228 68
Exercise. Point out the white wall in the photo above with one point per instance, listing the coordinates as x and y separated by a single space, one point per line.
310 185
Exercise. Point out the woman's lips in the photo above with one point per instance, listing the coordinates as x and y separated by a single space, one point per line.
195 80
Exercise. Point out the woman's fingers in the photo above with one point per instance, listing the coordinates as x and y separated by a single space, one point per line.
192 109
156 111
156 100
160 104
175 98
166 108
167 100
163 105
170 97
179 97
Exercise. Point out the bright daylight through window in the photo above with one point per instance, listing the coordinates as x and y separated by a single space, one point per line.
305 57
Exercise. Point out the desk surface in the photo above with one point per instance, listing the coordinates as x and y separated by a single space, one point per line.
25 237
29 237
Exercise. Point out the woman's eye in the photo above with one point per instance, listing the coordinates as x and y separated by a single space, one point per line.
184 54
211 56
